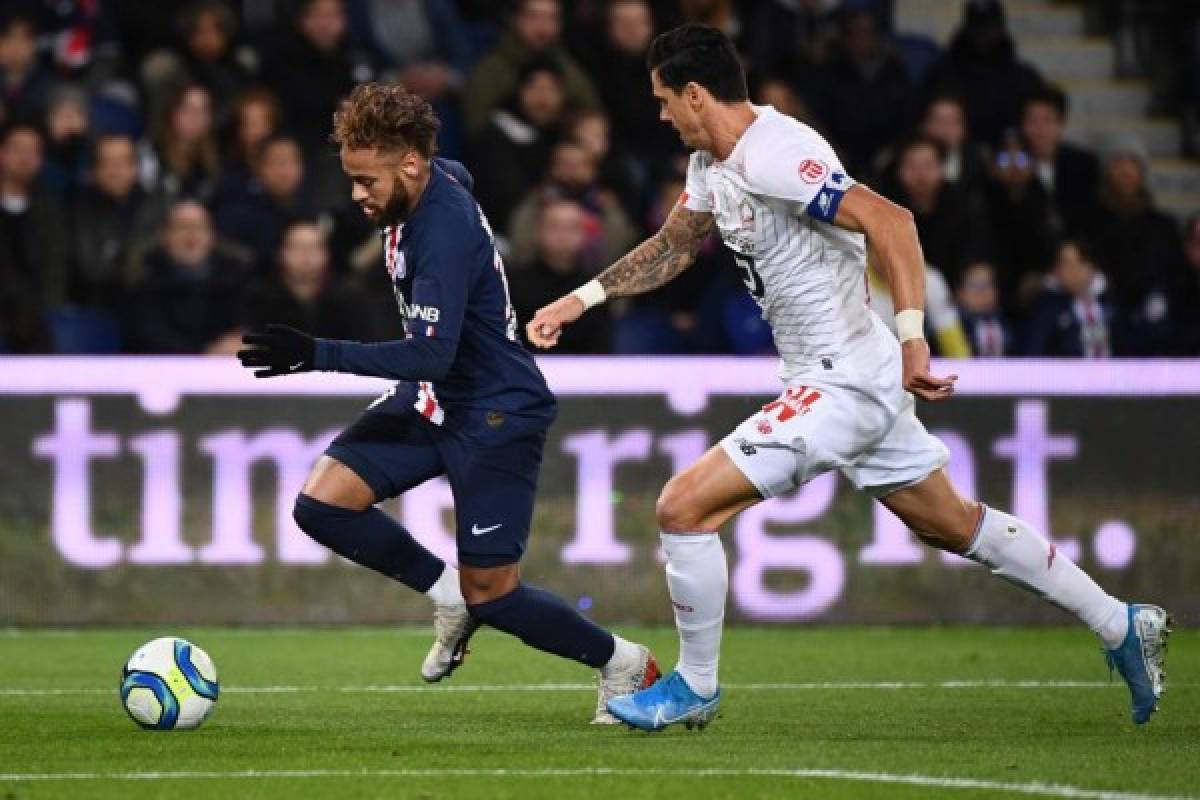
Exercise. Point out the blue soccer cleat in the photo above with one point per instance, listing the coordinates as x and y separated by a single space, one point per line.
1140 657
665 703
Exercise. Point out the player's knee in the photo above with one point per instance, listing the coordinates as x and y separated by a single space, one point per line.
321 520
676 508
311 516
952 528
481 585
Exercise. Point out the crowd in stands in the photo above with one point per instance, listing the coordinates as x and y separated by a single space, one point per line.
167 182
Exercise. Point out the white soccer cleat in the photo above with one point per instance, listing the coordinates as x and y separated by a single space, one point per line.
617 680
1140 658
453 626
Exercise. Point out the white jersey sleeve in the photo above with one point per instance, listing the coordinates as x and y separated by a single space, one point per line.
696 195
802 169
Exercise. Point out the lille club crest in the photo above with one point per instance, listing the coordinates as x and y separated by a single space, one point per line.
812 171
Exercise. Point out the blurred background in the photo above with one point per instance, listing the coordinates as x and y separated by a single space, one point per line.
166 179
166 183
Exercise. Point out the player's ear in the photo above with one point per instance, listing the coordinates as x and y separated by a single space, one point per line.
693 93
410 165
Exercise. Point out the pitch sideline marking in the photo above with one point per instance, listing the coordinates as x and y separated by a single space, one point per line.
1031 788
572 687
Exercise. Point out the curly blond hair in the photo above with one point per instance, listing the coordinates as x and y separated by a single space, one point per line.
385 116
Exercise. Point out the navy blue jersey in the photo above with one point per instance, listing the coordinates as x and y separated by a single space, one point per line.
461 352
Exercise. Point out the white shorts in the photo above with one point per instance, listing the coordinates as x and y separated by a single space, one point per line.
855 417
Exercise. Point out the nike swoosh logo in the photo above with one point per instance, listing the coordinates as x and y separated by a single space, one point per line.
478 531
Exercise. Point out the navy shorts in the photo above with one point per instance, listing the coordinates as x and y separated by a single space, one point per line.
490 458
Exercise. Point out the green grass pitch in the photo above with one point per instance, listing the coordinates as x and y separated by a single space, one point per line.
809 712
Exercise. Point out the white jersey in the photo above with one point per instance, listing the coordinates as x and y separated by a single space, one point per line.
774 200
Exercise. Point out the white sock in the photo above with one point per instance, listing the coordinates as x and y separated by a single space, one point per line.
697 578
445 590
624 654
1019 554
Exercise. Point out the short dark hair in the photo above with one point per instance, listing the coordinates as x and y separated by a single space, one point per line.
915 141
1086 248
1047 95
385 116
301 220
945 96
105 138
21 126
17 17
699 54
272 139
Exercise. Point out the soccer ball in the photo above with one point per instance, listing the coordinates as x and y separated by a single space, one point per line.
169 684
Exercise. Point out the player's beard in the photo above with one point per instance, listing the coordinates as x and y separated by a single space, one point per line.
396 209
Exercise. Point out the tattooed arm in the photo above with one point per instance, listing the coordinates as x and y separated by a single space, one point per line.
660 258
648 266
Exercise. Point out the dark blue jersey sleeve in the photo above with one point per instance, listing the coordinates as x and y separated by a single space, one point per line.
457 171
441 262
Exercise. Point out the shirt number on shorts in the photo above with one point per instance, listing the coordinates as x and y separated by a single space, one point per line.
750 275
795 401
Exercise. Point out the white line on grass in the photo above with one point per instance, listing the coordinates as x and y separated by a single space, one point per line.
1031 788
74 633
573 687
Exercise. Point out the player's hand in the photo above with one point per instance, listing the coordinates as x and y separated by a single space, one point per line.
280 349
917 377
547 324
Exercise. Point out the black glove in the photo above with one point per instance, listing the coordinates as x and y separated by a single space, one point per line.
282 350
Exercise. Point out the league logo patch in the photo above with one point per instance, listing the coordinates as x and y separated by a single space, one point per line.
812 171
746 447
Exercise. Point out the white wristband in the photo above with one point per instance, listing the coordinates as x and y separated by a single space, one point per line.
591 294
910 324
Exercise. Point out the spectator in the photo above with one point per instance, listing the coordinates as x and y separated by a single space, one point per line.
945 122
311 71
25 81
557 269
617 171
1025 239
620 57
254 116
982 67
536 30
420 43
703 310
184 159
1073 317
952 226
983 321
207 54
1069 174
573 175
302 291
1138 246
80 36
33 254
110 223
512 152
793 40
867 96
67 146
719 14
1187 293
256 219
780 95
423 45
946 335
188 302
